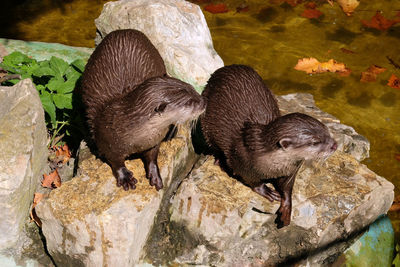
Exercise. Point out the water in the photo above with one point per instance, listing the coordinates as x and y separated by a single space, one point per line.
271 36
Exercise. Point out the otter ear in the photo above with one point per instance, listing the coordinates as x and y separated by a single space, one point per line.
284 143
160 108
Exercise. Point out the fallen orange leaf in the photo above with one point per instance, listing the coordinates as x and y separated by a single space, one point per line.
397 157
216 8
394 82
36 199
311 13
51 180
371 73
312 65
348 6
379 22
63 152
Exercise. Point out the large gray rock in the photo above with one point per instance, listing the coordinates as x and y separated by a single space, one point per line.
235 226
177 29
89 221
23 157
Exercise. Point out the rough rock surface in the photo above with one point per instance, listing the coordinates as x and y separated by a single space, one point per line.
89 221
236 226
177 29
23 157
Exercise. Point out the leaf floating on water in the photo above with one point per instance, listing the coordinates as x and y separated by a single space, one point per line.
312 65
311 13
346 51
51 180
379 22
348 6
371 73
394 82
216 8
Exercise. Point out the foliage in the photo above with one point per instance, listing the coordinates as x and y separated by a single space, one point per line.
55 81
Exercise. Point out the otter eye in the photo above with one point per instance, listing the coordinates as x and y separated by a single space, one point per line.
161 107
315 143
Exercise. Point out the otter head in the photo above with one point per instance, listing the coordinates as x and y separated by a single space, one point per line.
168 101
281 145
305 137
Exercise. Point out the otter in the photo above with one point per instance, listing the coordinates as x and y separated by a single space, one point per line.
131 103
243 127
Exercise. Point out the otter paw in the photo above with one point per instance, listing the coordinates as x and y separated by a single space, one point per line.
283 216
157 182
267 192
125 179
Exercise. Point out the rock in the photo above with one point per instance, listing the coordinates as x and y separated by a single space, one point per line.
177 29
23 157
89 221
349 141
234 225
43 51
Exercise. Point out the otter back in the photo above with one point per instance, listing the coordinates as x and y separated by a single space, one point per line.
123 60
235 94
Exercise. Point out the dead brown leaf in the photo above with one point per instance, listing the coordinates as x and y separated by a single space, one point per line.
394 82
63 153
379 22
51 180
312 65
371 73
36 199
348 6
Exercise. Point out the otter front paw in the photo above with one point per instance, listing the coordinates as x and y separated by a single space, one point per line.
125 179
267 192
283 216
155 180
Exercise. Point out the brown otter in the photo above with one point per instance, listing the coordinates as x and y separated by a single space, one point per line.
243 126
131 103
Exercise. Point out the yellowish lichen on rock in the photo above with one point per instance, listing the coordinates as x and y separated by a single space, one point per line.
95 190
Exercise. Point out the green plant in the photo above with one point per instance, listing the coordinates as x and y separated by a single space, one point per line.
55 81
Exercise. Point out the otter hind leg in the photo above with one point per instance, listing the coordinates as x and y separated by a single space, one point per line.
123 175
150 164
267 192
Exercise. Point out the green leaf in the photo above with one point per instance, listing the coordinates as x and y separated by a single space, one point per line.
48 106
58 65
40 87
43 71
26 76
66 87
72 74
63 101
55 83
9 68
79 64
16 58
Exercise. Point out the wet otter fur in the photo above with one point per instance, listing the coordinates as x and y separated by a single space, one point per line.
243 127
131 103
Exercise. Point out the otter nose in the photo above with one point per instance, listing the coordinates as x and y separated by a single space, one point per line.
334 146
